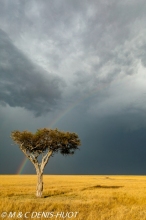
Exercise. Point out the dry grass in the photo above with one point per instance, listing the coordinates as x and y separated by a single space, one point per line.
94 197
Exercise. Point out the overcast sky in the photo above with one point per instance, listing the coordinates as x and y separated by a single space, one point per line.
79 66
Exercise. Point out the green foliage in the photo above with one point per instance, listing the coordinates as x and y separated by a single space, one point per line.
47 139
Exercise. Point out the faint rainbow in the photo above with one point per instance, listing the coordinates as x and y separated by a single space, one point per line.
60 116
20 169
74 104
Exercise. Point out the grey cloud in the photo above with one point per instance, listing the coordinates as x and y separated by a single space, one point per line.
108 32
24 84
79 32
93 28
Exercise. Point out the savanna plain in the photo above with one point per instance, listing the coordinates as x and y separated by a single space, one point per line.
94 197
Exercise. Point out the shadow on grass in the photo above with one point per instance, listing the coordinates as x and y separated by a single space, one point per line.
55 194
102 187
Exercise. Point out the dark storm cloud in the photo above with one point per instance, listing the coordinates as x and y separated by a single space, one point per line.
113 144
24 84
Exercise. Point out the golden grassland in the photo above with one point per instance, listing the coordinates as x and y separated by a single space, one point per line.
94 197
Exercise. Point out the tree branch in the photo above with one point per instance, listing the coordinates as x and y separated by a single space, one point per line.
31 157
45 159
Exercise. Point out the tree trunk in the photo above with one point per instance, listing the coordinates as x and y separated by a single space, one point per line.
39 188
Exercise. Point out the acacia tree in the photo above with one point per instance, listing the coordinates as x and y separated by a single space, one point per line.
45 142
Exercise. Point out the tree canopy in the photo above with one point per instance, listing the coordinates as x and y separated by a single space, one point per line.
46 139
